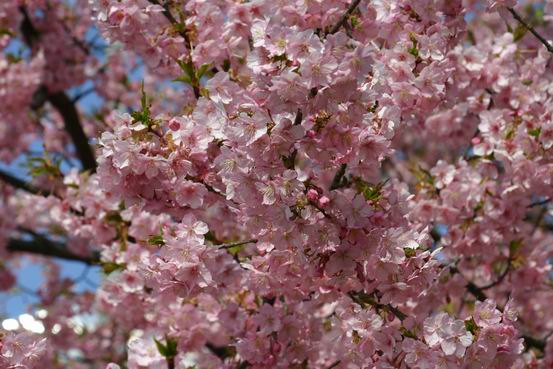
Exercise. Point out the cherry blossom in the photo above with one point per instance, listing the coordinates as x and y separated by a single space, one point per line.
278 184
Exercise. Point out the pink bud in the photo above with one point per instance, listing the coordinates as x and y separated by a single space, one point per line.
323 201
174 125
311 133
312 195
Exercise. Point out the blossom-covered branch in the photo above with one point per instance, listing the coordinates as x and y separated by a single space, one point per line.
532 30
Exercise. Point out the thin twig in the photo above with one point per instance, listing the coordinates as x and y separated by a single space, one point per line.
344 17
178 27
234 244
540 203
500 279
531 29
82 94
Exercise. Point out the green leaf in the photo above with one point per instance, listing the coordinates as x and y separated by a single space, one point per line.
184 79
407 333
519 33
201 71
413 51
187 67
38 166
144 115
370 192
409 252
235 249
534 132
355 23
514 246
13 59
167 350
113 217
157 240
471 326
6 32
110 267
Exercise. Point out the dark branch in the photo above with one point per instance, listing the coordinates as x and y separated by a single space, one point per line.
44 247
481 296
499 279
540 203
364 300
61 102
170 362
18 183
72 122
337 182
30 33
299 117
234 244
531 29
167 13
344 17
534 342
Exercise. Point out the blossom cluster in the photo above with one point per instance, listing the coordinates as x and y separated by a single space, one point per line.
294 184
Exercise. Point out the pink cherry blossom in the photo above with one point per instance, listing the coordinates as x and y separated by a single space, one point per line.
277 184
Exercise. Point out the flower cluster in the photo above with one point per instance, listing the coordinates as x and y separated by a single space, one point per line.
294 184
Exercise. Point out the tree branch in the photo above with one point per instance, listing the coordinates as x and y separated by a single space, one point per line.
72 122
234 244
363 300
45 247
478 292
338 177
540 203
19 183
173 21
181 30
531 29
61 102
344 17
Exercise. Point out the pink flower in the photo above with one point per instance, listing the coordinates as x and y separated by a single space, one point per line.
357 212
268 319
317 69
143 352
190 194
192 230
268 192
21 350
486 314
451 335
